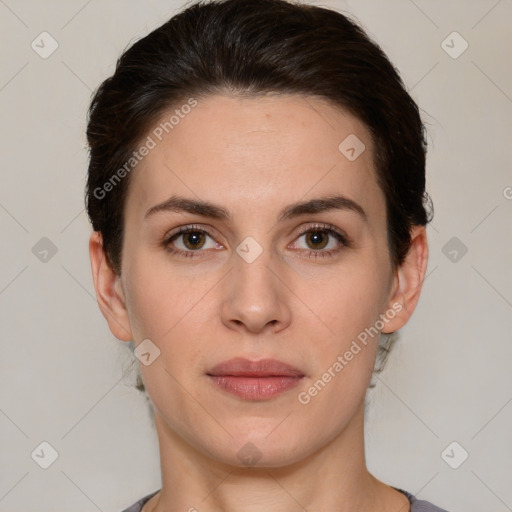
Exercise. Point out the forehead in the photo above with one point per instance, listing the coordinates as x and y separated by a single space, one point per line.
255 151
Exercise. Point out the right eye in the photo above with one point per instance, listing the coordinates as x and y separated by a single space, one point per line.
189 240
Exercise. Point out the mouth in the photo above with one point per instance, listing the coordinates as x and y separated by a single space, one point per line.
255 380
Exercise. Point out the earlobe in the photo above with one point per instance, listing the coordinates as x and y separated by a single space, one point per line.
408 281
109 291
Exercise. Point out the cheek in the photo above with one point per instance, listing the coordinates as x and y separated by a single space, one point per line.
177 314
345 360
352 300
160 297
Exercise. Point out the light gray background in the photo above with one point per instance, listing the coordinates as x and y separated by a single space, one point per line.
61 374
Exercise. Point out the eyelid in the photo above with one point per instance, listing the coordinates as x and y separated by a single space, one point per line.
325 227
187 229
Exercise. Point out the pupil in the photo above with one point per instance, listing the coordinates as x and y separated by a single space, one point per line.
316 237
193 239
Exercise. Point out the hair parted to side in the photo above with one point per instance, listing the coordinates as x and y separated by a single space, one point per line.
250 48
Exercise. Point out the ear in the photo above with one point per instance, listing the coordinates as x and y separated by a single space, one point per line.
109 290
408 281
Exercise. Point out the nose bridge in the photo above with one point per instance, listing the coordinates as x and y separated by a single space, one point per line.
256 297
253 279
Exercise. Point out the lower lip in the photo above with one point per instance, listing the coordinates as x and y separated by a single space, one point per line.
255 388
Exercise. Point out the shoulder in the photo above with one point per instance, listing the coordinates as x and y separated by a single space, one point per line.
137 507
421 505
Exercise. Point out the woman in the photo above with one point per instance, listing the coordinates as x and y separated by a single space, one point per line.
257 192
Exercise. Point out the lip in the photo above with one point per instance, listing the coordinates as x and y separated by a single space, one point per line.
255 380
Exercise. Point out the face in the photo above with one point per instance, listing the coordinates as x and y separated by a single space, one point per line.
272 247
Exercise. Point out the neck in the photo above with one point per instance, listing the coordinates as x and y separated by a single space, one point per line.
333 478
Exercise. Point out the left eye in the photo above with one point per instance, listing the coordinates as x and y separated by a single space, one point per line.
319 239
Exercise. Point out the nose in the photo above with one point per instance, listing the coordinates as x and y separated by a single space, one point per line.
256 296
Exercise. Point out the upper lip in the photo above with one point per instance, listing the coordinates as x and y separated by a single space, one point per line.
241 367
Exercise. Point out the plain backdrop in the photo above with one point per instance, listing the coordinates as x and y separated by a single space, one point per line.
449 378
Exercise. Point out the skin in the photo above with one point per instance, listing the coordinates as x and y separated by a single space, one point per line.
254 157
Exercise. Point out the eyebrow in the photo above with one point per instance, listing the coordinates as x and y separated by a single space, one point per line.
206 209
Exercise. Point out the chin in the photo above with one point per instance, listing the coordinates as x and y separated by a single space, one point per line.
261 450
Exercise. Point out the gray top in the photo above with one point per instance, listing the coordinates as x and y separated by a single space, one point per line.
416 505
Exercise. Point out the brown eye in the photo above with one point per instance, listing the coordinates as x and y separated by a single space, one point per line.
317 239
321 241
190 241
193 240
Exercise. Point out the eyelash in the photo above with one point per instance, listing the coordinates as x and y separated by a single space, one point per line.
325 228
